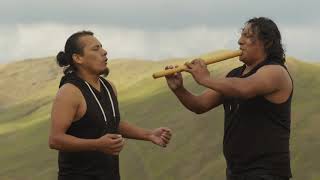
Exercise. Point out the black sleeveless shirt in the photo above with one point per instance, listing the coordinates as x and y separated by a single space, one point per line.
91 126
257 132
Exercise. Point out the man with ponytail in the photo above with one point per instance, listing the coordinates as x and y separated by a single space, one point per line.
85 118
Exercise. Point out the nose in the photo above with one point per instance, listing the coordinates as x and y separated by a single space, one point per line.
104 52
240 41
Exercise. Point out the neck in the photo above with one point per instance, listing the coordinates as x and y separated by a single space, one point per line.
92 79
250 66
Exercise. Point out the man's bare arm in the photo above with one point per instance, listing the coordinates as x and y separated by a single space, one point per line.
64 111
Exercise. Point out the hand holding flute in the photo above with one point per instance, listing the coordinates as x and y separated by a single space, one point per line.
215 59
197 68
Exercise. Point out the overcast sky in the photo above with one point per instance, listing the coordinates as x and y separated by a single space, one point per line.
152 29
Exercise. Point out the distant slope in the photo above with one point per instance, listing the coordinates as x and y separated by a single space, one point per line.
28 87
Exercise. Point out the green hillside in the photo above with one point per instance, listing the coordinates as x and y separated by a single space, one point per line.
195 152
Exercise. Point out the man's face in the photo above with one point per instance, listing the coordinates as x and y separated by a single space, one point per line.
252 48
94 58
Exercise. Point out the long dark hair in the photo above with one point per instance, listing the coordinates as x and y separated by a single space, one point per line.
72 46
268 32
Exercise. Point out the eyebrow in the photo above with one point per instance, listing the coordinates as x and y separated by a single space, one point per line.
248 32
97 45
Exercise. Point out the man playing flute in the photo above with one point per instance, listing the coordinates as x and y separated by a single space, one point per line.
257 101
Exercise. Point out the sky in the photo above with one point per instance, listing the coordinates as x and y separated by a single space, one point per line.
152 29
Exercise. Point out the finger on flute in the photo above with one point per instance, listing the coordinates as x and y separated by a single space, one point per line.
214 59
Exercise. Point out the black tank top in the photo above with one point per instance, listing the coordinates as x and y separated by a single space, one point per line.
257 132
91 126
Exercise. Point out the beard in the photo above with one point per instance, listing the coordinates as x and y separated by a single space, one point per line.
105 72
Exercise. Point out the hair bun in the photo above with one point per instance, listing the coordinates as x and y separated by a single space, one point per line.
61 59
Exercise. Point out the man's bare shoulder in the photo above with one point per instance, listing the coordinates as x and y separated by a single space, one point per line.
272 68
275 72
69 92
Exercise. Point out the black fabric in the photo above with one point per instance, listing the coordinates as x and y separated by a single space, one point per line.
257 132
82 177
91 126
75 177
255 177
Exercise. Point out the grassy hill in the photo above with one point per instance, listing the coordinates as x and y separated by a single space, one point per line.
195 152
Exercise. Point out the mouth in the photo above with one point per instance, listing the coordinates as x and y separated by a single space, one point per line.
242 54
243 51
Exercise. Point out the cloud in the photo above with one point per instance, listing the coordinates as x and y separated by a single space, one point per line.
151 29
39 40
28 41
164 14
302 42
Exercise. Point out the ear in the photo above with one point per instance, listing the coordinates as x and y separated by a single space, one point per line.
77 58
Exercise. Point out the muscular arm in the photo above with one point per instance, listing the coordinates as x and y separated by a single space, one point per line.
63 112
133 132
160 136
208 100
129 130
267 80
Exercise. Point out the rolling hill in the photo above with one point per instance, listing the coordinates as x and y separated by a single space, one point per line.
195 152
